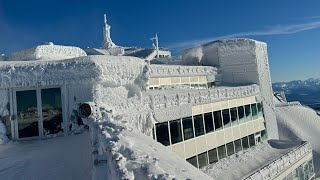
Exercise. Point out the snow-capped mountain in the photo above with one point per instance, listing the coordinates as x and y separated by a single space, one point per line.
305 91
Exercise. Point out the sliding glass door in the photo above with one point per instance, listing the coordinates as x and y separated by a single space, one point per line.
38 112
27 113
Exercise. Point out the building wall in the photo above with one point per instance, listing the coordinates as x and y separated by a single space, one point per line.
244 61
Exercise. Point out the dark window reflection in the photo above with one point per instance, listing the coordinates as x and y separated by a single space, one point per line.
51 110
175 131
27 114
162 133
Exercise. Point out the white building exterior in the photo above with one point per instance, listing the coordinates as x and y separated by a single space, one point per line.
218 105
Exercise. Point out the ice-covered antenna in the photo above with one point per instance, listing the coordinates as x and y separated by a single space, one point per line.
105 19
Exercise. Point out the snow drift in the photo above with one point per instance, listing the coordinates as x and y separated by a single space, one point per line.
297 122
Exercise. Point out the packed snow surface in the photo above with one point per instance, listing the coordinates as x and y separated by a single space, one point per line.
64 158
297 122
123 152
244 163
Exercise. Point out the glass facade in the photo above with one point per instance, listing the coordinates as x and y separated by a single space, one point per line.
201 124
220 152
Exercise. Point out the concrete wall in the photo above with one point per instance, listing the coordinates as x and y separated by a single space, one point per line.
243 61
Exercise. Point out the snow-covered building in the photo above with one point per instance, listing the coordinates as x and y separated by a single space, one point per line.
217 105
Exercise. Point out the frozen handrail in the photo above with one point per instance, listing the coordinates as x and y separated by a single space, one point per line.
272 170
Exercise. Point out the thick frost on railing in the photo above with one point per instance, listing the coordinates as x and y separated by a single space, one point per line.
273 169
178 70
169 105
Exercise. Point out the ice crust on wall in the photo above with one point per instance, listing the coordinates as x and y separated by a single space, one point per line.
240 61
297 122
48 52
122 152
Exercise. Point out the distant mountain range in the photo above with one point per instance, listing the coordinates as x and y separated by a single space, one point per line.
305 91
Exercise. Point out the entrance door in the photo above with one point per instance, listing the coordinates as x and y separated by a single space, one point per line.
51 110
27 113
38 112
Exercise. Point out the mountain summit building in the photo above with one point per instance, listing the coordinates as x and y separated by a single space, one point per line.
207 106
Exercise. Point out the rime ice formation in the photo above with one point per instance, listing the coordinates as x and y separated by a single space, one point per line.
131 107
107 41
272 156
241 61
48 52
123 152
297 122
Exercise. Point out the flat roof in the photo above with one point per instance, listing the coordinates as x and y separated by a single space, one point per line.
247 162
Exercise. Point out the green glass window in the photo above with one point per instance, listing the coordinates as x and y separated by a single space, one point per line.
230 148
187 128
198 125
252 140
208 120
203 159
254 111
241 114
248 112
245 143
193 161
234 116
237 145
162 132
213 156
226 118
175 131
260 110
222 151
217 120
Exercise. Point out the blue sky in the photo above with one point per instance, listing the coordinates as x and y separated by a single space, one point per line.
291 28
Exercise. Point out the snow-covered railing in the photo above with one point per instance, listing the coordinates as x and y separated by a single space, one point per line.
294 103
276 167
168 105
177 98
178 70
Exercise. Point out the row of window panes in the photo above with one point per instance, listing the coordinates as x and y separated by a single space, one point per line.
304 172
220 152
190 127
190 86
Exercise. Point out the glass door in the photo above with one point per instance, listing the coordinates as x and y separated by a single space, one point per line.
38 112
51 110
27 114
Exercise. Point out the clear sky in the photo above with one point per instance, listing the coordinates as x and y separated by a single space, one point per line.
290 27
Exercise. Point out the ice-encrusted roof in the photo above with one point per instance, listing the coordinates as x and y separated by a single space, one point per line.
233 40
48 52
113 69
